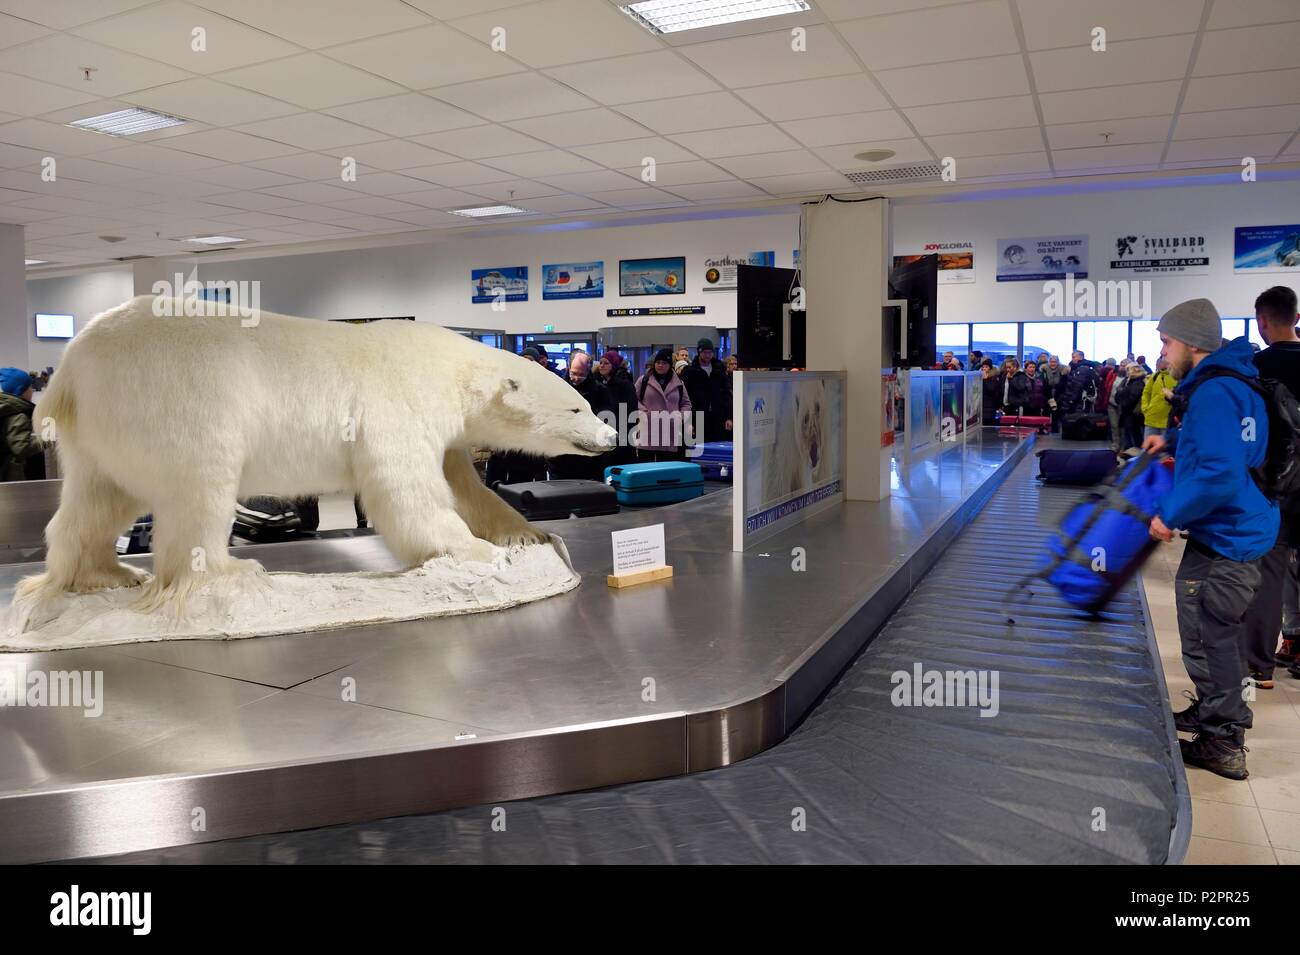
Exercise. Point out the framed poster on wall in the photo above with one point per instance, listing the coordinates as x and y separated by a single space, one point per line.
508 284
665 276
1042 258
565 280
1266 248
720 270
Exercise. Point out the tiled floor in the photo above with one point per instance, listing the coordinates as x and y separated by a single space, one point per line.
1256 822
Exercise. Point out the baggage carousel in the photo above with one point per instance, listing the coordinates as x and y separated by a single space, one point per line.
202 741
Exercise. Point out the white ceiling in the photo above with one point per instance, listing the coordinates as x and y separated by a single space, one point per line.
560 121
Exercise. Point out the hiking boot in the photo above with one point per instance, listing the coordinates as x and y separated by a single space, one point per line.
1223 757
1294 669
1260 681
1188 720
1289 652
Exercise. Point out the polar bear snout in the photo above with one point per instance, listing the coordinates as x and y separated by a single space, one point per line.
605 439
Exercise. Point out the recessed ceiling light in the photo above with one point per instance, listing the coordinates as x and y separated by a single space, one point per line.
127 122
214 239
673 16
36 262
875 155
479 212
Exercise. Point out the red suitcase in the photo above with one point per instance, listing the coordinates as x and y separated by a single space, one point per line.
1010 422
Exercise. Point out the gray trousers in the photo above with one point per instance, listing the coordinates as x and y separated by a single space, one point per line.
1264 618
1212 594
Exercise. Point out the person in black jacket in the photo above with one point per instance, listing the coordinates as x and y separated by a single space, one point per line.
1079 386
580 466
992 385
706 384
1038 391
1128 397
1014 385
613 373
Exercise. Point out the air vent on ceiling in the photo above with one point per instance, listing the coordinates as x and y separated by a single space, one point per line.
922 172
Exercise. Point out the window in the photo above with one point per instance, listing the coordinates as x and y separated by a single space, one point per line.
997 340
1252 329
1146 341
953 338
1101 340
1233 328
1055 338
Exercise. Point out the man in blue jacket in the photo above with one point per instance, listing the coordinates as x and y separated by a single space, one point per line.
1230 526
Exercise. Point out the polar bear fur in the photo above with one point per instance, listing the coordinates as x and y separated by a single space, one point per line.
799 458
180 416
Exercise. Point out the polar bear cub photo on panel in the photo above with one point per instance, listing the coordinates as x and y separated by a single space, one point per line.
800 458
179 416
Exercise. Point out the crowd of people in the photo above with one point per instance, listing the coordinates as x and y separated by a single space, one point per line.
681 401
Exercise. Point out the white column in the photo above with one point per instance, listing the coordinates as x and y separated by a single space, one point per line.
845 277
16 328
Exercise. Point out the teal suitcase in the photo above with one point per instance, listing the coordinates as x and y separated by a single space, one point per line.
655 482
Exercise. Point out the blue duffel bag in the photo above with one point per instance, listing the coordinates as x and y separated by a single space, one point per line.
1104 540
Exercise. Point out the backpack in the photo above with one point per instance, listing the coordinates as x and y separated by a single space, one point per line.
1279 476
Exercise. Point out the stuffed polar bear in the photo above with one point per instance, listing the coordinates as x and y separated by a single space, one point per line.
179 416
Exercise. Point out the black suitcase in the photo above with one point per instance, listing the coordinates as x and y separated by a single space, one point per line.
1074 467
264 519
557 500
1083 426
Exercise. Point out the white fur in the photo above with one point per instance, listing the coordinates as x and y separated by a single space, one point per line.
179 416
800 456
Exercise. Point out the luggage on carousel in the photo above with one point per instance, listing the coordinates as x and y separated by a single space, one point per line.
1062 466
1041 423
714 460
137 539
265 519
1085 426
558 500
656 482
1104 540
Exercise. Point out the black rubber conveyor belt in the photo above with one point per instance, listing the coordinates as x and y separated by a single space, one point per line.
1076 767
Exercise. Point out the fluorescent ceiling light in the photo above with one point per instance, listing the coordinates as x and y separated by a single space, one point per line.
127 122
36 262
673 16
213 239
479 212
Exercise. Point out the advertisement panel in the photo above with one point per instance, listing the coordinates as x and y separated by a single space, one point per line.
652 276
508 284
956 260
720 270
1266 248
566 280
1160 253
1042 258
789 450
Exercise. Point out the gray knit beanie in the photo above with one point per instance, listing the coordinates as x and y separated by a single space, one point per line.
1195 322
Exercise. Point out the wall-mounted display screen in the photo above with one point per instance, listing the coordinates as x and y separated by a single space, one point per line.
54 326
652 276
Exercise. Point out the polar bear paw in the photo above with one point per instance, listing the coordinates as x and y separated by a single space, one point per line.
519 536
474 551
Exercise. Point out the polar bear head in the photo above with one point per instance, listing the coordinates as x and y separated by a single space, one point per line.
536 411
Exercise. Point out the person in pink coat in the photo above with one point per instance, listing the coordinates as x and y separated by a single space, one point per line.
665 412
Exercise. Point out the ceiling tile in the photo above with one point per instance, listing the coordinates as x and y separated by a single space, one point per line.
67 13
673 174
311 131
804 183
252 201
315 229
310 192
304 166
512 190
242 177
1130 61
644 197
848 128
932 36
450 9
1122 132
208 101
93 170
1234 148
373 205
790 162
994 142
580 128
425 57
736 141
629 79
376 224
13 156
551 162
57 59
554 32
164 32
458 174
481 142
431 219
307 211
317 23
512 97
991 167
229 145
586 183
852 9
769 58
392 154
1238 122
1242 13
1003 112
811 98
1062 23
449 198
311 80
14 31
684 114
906 150
55 137
1107 157
716 191
1270 88
1111 102
984 78
410 114
1236 51
384 184
560 204
28 97
632 152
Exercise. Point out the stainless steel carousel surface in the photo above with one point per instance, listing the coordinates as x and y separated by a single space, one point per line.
204 740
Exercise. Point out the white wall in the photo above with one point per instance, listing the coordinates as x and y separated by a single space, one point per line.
82 296
1211 211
